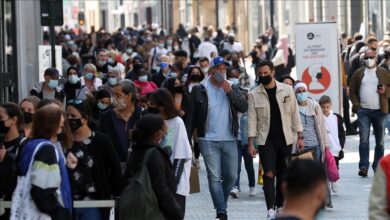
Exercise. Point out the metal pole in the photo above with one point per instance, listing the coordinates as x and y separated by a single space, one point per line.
271 5
52 34
367 19
217 9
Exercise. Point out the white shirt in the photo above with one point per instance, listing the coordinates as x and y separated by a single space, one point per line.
332 128
181 149
206 48
369 98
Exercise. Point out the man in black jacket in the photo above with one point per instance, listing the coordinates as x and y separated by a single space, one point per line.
212 110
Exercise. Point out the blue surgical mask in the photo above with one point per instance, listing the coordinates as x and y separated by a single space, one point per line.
101 106
161 46
110 60
112 81
53 83
129 51
172 75
73 79
89 76
234 81
301 97
143 78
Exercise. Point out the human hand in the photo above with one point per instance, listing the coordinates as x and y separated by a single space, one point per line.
226 86
381 90
300 144
71 161
251 150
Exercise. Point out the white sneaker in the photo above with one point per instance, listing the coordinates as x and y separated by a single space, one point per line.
252 191
334 187
279 210
271 214
235 193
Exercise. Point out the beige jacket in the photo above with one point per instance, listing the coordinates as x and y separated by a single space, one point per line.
378 196
259 113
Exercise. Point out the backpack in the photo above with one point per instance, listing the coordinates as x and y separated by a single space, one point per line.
138 200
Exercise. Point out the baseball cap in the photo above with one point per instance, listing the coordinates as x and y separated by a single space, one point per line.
218 61
52 72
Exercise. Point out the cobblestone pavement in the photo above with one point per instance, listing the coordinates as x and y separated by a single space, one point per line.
350 203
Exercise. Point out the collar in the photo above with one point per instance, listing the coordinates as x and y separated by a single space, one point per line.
279 87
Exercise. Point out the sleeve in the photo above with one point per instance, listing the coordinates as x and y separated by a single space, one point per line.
112 161
252 117
45 180
7 175
341 129
353 93
321 123
166 199
238 100
191 113
387 86
378 197
295 117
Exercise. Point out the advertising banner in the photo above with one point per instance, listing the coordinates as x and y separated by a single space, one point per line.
44 53
317 60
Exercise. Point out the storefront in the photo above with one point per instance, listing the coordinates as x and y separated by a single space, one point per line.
8 56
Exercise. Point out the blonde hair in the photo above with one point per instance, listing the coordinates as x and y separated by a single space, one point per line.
90 66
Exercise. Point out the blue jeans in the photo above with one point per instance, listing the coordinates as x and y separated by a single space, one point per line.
388 123
366 117
220 158
87 213
248 161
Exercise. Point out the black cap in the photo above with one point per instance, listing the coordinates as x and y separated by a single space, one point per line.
52 72
180 53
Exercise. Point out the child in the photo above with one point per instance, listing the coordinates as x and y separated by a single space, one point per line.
336 133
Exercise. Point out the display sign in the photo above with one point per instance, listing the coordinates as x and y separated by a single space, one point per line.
44 55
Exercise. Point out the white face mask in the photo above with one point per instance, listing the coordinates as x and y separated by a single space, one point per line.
143 78
205 70
370 63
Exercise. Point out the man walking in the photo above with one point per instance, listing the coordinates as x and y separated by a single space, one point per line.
213 108
369 93
273 118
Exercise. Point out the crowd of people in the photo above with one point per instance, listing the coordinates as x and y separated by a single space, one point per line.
135 94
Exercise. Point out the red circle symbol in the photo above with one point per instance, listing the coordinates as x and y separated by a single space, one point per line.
317 78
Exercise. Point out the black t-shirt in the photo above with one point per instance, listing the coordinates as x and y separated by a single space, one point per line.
276 126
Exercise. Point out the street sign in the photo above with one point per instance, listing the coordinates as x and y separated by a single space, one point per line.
57 12
317 59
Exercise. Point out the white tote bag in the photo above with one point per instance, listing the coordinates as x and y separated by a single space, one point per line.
23 207
278 58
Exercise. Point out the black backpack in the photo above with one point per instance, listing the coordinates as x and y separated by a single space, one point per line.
138 200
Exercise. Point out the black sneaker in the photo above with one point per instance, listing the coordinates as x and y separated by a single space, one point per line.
363 172
351 132
221 216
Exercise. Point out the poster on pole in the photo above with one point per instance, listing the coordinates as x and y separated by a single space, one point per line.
44 57
317 59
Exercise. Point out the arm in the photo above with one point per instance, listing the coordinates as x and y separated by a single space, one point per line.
166 199
45 180
238 100
340 122
353 93
7 175
252 124
378 196
191 113
112 161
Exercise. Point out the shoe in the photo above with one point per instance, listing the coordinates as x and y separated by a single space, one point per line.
334 187
222 216
363 172
351 132
252 191
271 214
235 193
197 163
279 210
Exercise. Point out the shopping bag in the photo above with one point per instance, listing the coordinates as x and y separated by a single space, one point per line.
194 180
307 154
331 167
260 180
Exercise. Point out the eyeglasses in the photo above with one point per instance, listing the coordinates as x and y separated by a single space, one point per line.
75 101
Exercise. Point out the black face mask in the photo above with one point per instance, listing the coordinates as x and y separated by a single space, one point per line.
3 128
74 123
27 117
265 80
196 78
60 136
152 110
178 89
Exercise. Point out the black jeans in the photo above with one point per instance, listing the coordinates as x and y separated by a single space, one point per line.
274 157
182 202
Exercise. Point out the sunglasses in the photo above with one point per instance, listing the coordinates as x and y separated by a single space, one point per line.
366 58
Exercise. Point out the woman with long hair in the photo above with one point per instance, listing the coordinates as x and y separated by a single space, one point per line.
43 189
147 135
28 106
175 142
97 175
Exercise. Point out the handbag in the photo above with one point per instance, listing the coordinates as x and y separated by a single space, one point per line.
306 154
194 180
331 167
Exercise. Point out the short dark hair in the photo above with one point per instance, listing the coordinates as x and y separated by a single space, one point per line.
303 176
202 59
357 37
265 63
325 100
371 40
282 78
386 54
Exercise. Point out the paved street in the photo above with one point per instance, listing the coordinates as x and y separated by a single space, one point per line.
351 202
